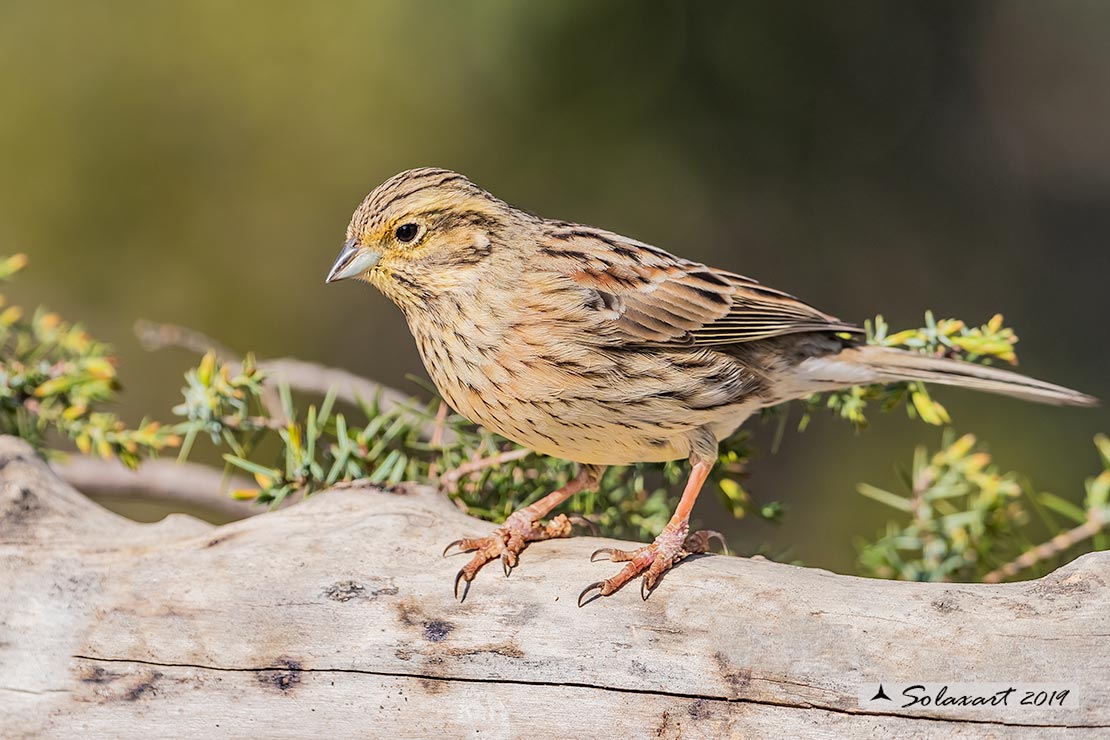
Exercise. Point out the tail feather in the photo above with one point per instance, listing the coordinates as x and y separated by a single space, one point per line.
864 365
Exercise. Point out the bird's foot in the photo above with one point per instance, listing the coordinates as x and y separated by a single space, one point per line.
672 545
507 542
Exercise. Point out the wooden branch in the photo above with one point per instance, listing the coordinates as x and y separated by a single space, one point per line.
314 378
162 481
1058 544
299 375
154 336
334 618
451 478
304 376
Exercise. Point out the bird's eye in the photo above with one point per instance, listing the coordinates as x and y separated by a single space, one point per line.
406 232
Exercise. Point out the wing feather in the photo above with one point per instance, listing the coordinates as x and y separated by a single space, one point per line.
654 297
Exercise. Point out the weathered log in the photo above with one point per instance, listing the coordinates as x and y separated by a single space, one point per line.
335 618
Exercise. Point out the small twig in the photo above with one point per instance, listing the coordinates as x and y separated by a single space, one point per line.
349 388
162 481
1050 549
297 374
251 423
437 437
451 478
154 336
921 485
438 429
315 378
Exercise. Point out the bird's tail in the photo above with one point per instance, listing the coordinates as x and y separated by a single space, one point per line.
867 365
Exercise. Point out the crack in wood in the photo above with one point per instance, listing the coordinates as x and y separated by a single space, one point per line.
31 692
597 687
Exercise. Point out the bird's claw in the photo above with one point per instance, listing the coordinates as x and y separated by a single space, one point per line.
698 542
615 555
466 589
607 550
505 544
650 561
599 585
583 521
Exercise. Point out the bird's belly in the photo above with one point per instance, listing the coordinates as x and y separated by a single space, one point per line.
602 444
584 433
578 429
616 423
588 441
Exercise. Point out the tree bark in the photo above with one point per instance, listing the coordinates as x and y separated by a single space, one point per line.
335 618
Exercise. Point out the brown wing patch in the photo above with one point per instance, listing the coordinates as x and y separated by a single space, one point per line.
656 298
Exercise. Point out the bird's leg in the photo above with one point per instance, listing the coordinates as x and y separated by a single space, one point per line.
672 545
523 526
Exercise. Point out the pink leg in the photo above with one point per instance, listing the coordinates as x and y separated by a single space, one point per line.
672 545
522 527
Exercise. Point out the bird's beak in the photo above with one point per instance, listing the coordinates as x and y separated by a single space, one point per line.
353 259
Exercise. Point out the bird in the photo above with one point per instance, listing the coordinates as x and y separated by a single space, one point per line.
593 347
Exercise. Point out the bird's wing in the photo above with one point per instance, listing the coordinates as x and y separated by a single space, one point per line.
654 297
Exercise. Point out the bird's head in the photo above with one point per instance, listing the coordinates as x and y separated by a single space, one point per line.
421 234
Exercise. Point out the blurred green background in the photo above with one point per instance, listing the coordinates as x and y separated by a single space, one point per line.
196 163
